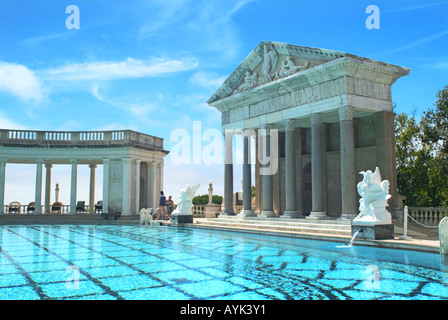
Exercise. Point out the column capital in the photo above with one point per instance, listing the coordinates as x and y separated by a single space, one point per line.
316 119
346 113
92 165
74 161
39 161
138 161
266 126
290 124
48 165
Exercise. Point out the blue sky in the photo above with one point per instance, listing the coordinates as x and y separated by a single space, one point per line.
151 65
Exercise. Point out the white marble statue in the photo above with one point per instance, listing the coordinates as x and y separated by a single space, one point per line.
443 236
375 194
185 203
145 216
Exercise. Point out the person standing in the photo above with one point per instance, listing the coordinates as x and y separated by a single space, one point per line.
162 205
170 205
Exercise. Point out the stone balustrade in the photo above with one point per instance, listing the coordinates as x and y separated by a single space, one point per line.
428 215
26 209
19 138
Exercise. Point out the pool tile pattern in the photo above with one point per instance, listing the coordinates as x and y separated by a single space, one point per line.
164 263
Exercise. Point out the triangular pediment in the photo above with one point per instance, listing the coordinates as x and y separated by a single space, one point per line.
271 61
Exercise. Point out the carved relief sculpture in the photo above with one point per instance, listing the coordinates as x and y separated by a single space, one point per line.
269 64
289 67
250 82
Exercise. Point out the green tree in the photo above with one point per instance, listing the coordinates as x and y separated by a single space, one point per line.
421 153
203 199
435 132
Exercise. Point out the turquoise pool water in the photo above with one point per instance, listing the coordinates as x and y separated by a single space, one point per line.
153 263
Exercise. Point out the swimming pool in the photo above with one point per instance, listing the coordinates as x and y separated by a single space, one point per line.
135 262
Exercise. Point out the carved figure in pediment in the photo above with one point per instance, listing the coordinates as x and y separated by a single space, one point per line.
269 64
289 67
250 81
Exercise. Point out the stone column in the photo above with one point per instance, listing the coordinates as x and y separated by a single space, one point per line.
348 175
247 181
74 185
38 190
268 199
106 163
228 175
299 172
137 185
317 169
125 204
2 185
150 186
48 167
290 170
92 167
258 182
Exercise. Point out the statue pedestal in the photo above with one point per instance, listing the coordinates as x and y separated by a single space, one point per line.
211 210
373 232
181 218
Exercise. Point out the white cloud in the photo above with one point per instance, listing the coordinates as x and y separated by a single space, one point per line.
110 70
21 82
6 123
137 109
418 42
208 80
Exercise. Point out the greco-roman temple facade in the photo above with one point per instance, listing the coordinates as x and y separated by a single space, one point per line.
132 166
334 117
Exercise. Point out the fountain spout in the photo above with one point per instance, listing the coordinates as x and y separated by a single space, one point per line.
350 243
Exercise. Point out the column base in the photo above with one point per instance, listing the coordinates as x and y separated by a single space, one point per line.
267 214
317 215
291 214
227 213
246 213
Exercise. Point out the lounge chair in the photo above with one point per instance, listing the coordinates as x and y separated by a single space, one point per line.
56 207
31 207
99 206
14 207
80 206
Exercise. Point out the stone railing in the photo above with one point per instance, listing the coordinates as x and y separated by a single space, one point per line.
24 138
199 211
26 209
427 215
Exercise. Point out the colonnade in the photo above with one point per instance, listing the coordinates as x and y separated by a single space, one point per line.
130 185
292 203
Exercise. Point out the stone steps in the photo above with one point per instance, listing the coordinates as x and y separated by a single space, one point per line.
296 226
